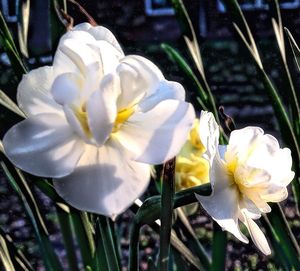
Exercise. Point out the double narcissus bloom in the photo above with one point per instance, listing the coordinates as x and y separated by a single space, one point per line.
95 121
245 175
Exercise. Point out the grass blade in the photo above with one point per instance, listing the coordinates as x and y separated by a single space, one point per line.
10 48
17 258
82 236
191 235
10 105
167 198
66 230
108 244
23 24
18 183
176 57
282 231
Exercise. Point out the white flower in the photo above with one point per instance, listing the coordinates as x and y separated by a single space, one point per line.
95 120
251 171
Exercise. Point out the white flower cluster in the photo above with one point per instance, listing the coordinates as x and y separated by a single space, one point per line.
97 119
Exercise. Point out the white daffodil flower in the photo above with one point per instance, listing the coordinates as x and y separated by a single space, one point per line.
245 175
95 121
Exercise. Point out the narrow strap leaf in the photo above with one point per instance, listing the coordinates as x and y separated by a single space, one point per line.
167 202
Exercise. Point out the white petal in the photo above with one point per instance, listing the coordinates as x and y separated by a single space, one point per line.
223 204
101 108
109 56
166 90
139 78
209 134
241 142
102 33
80 128
66 88
157 135
43 145
74 56
105 182
257 235
34 96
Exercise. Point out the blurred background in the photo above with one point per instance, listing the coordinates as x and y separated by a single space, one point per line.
141 26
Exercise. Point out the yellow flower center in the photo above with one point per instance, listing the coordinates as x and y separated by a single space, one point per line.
122 116
81 114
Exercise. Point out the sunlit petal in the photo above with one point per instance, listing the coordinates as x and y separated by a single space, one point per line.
157 135
34 96
100 186
43 145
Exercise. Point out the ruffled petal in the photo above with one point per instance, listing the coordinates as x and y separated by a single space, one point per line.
166 90
105 181
34 96
139 78
257 235
102 110
209 135
43 145
157 135
99 33
75 56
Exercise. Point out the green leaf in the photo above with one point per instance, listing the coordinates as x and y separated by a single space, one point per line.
219 246
167 197
10 105
10 48
189 34
149 212
66 230
176 57
83 236
295 48
282 232
11 256
191 235
18 183
108 244
23 24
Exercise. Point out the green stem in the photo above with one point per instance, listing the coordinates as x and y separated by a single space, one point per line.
167 196
219 248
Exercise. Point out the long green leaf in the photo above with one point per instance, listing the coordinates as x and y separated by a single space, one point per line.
176 57
10 48
295 48
149 212
17 258
108 244
19 184
282 231
66 230
82 235
191 235
9 104
23 25
167 196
